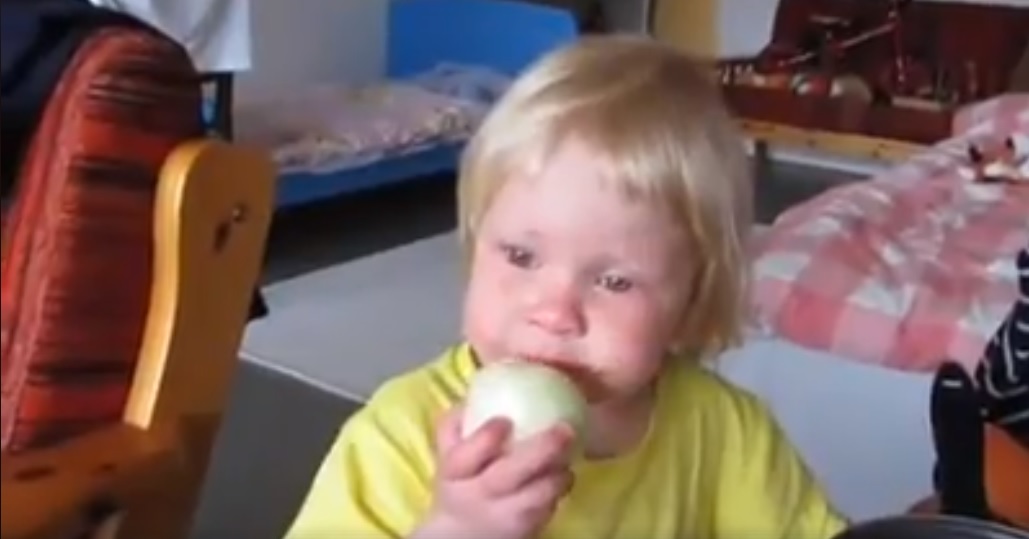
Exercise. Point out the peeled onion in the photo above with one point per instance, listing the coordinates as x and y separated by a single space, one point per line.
532 396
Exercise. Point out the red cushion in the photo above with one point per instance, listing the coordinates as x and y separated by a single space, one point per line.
77 245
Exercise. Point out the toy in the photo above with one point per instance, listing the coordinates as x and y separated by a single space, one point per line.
1007 162
898 70
822 55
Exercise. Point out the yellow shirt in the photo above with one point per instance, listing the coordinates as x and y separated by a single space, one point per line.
715 466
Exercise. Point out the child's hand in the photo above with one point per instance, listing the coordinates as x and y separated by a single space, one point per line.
484 491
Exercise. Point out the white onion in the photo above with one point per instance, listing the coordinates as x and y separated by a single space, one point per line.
532 396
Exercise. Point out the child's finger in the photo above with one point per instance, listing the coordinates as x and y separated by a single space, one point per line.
469 457
540 497
536 457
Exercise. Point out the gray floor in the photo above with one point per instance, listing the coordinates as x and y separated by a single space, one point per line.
277 426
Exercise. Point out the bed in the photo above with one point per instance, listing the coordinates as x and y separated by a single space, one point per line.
860 293
447 63
912 267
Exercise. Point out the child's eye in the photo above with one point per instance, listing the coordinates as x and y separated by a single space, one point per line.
615 283
518 256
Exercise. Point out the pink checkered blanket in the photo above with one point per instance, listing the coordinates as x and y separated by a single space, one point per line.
912 267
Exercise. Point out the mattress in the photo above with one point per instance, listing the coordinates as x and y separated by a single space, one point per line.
329 128
910 268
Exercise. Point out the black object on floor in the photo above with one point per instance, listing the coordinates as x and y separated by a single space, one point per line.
959 435
931 527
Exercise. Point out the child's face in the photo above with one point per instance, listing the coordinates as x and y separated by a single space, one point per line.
567 271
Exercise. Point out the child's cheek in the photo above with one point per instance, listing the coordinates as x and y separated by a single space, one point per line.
636 328
484 310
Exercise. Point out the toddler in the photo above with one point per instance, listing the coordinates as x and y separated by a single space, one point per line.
604 209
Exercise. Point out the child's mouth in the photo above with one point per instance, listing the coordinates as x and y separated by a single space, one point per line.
587 380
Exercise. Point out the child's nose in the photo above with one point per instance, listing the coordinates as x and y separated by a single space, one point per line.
558 314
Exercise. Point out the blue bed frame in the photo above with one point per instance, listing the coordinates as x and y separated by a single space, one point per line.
501 34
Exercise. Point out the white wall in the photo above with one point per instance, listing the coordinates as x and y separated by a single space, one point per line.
303 41
297 42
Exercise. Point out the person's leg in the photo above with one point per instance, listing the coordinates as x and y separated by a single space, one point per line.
958 435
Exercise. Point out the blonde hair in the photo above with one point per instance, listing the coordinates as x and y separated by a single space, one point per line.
657 119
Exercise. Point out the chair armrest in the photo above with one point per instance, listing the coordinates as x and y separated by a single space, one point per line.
58 492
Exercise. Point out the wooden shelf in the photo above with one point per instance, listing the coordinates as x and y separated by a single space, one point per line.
835 144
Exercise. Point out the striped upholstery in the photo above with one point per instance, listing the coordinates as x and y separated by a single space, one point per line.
77 240
1003 374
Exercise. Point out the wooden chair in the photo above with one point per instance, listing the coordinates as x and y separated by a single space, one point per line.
130 253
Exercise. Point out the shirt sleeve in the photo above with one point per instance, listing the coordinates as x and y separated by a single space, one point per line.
369 485
769 491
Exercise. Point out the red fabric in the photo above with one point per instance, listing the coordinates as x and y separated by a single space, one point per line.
77 243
